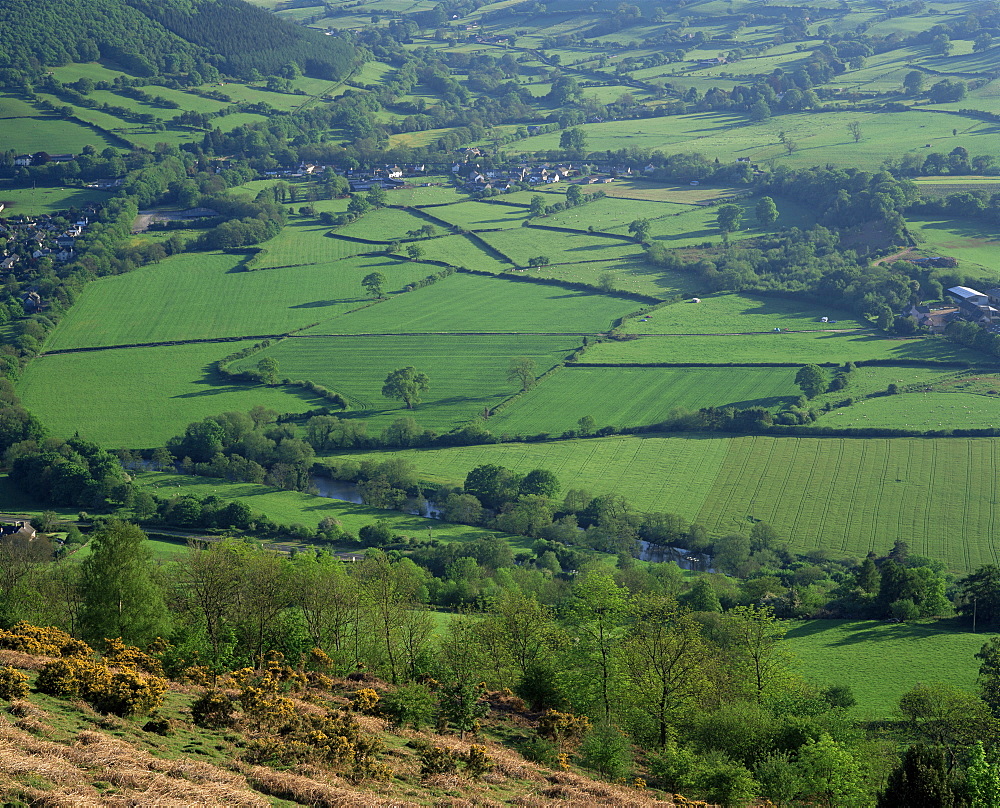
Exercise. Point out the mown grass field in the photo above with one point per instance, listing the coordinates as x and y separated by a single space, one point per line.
463 302
467 373
846 495
721 313
384 224
200 296
638 396
294 507
882 661
138 397
800 348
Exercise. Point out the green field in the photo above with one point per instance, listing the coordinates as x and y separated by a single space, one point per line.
738 313
629 275
560 248
481 215
308 242
294 507
467 373
820 137
461 251
139 397
923 411
800 348
464 302
973 243
882 661
200 296
384 224
34 201
48 133
846 495
638 396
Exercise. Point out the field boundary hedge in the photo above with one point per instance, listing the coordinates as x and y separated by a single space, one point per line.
564 284
905 363
575 232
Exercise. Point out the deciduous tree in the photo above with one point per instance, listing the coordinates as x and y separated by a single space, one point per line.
406 384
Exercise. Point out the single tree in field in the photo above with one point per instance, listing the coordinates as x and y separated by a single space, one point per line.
854 127
640 229
376 197
537 205
522 371
606 282
574 195
729 218
790 146
812 380
268 369
374 284
538 261
913 82
766 212
415 252
406 384
120 596
586 424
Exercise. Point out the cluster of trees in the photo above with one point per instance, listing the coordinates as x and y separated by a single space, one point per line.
252 447
648 658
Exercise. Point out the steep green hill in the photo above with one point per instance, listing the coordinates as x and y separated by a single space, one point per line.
165 37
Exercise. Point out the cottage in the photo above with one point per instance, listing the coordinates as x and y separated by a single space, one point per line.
17 530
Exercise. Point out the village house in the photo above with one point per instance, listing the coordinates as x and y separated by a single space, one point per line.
17 530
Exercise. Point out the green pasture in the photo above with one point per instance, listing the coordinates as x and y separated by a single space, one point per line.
34 201
470 303
610 214
624 397
845 495
294 507
305 241
384 224
629 275
802 348
920 410
461 251
138 397
723 313
204 296
882 661
466 373
560 248
50 134
820 138
973 243
481 215
653 473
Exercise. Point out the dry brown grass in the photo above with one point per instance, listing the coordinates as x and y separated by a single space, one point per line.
140 778
26 662
313 792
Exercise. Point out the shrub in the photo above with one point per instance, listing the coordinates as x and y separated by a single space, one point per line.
127 693
13 683
606 749
477 760
366 701
212 710
437 760
412 705
59 679
125 656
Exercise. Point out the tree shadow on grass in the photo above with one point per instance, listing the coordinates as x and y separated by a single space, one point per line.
317 304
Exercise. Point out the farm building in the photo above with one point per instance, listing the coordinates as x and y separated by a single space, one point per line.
934 320
973 305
